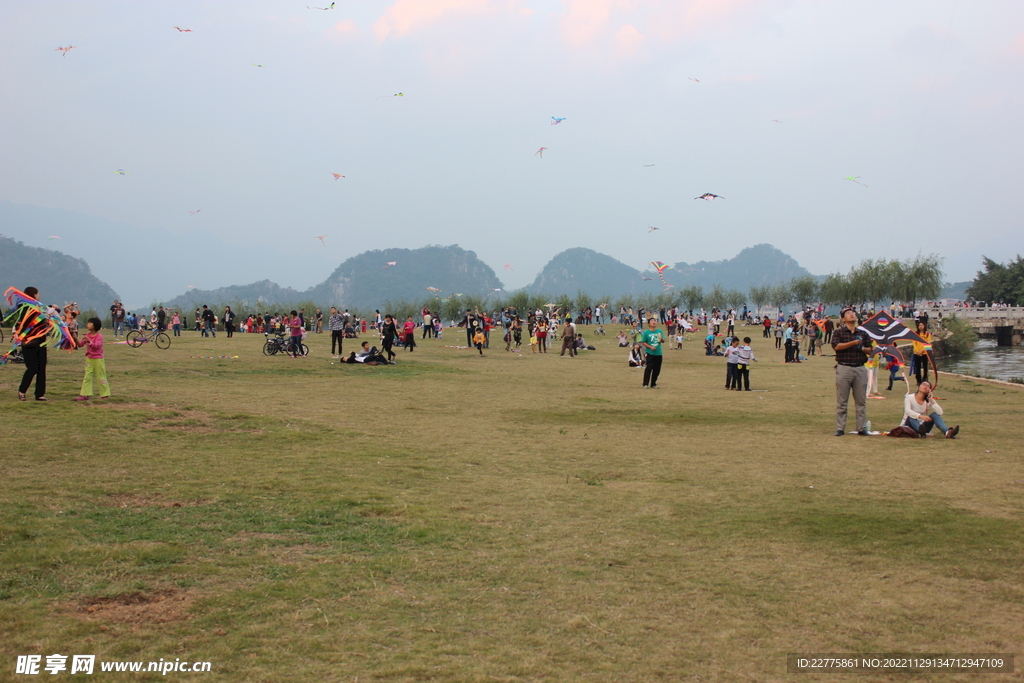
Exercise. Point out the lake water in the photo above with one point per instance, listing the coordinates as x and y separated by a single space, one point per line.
989 360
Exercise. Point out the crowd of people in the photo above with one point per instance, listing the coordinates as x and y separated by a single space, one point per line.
858 361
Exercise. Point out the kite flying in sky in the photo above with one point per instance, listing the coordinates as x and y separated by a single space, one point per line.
53 237
540 152
695 80
193 213
652 228
120 171
321 238
508 266
435 290
324 8
391 263
259 65
855 178
661 268
648 165
555 120
397 94
707 196
337 175
646 279
65 50
776 121
182 30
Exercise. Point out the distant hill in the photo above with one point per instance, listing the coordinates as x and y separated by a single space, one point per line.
59 278
955 290
762 264
597 274
364 282
263 294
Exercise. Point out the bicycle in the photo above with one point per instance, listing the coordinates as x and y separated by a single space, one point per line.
137 338
281 344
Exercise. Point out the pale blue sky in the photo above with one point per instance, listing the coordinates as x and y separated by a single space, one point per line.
922 100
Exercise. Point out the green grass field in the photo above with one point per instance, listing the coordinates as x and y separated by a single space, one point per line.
514 517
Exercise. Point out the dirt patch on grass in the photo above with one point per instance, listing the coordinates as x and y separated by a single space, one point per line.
137 607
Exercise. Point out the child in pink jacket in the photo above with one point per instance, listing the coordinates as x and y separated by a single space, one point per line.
95 366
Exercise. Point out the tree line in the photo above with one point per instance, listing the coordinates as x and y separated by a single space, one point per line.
1000 284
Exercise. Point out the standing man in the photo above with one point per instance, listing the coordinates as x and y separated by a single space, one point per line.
208 325
852 349
335 324
428 323
652 339
568 338
470 322
161 319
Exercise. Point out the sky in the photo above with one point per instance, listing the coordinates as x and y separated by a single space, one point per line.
769 104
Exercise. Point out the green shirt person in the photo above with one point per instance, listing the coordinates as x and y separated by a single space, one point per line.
651 341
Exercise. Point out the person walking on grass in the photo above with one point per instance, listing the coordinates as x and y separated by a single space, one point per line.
95 366
852 348
651 340
479 339
388 334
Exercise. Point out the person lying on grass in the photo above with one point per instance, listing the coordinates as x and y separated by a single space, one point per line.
367 355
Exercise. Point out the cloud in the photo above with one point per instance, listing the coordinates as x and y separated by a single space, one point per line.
405 16
628 41
344 29
674 18
585 20
1017 45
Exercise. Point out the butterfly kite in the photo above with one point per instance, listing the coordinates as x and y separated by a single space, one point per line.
182 30
321 238
31 322
540 152
707 196
886 331
65 50
391 263
193 213
555 120
661 268
337 175
855 178
324 8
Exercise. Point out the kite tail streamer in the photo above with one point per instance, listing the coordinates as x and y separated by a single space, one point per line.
33 323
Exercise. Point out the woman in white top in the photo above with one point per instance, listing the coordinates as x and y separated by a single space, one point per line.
921 412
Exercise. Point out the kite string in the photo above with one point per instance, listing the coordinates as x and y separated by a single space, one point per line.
920 129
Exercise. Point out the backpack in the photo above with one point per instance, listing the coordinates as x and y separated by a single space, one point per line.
904 432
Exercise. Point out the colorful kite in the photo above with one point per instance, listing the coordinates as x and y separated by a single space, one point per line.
886 331
435 290
182 30
661 268
53 237
651 228
259 65
397 94
30 321
508 266
540 152
855 178
707 196
65 50
323 8
193 213
390 263
321 238
555 120
337 175
120 171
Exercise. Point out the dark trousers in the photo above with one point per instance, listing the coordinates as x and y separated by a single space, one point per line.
35 367
428 331
743 376
469 337
410 341
568 343
651 370
386 344
765 334
336 339
791 349
230 329
730 376
778 342
921 368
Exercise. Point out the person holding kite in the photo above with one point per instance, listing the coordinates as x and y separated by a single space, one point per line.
921 350
852 347
34 329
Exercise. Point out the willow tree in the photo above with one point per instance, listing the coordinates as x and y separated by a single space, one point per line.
921 279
